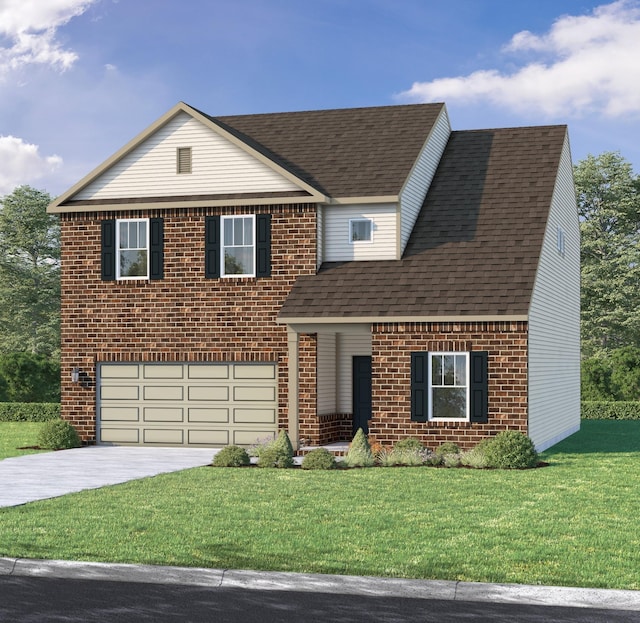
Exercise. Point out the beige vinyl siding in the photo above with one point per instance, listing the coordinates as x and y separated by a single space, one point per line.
416 187
337 245
218 167
554 322
326 373
349 346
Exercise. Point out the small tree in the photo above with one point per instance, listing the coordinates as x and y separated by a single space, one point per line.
277 454
359 454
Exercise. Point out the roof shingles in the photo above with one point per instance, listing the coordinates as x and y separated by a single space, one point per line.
475 247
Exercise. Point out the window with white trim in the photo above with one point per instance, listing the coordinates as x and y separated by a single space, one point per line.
132 249
448 386
238 246
360 230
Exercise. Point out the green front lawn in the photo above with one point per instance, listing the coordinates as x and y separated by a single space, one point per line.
15 435
576 522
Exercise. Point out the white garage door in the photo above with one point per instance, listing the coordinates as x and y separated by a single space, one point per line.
186 404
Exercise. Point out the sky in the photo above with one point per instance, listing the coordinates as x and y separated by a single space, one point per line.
81 78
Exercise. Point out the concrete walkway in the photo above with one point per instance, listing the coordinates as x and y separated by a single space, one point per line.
48 475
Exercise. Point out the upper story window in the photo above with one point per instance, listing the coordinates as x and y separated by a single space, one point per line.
132 249
360 230
183 160
238 246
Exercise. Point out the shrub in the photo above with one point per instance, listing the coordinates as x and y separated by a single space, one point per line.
447 448
319 458
259 446
610 410
359 454
58 435
29 411
408 443
231 456
511 449
26 377
277 454
451 459
477 456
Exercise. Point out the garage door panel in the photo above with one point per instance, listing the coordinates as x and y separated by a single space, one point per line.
253 371
119 435
119 414
178 404
203 371
257 416
162 392
119 371
209 393
209 437
119 392
164 371
254 394
163 436
209 415
163 414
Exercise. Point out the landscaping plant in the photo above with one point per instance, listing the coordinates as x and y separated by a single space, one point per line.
58 435
231 456
511 449
319 458
359 453
277 454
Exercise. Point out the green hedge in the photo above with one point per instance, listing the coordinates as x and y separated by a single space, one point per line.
29 411
592 410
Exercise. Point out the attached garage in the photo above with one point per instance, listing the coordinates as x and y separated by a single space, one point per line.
186 404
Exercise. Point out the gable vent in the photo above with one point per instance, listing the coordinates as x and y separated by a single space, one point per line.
183 163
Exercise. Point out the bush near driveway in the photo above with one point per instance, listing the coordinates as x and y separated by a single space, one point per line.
29 411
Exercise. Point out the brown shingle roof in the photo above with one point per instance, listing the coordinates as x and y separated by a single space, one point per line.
475 247
353 152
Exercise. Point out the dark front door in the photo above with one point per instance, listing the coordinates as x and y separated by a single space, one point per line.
361 393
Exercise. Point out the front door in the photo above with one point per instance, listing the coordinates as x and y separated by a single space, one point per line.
361 393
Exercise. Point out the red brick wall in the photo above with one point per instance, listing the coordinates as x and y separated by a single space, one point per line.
183 317
506 343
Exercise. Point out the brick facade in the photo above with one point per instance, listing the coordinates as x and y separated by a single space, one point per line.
506 343
183 317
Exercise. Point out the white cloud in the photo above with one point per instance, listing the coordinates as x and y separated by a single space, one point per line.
22 164
28 32
583 64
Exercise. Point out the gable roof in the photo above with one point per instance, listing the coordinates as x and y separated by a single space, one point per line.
353 152
328 154
475 247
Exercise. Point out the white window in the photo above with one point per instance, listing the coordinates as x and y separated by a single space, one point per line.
360 230
238 246
561 241
448 386
132 247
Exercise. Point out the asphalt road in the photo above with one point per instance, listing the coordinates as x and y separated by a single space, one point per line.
44 600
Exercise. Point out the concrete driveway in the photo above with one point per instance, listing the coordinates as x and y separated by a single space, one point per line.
51 474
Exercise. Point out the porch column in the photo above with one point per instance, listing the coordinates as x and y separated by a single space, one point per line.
293 342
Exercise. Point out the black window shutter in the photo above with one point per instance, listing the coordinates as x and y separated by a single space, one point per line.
156 248
479 387
212 247
419 387
108 250
263 245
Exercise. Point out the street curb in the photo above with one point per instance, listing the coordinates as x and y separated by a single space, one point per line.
346 585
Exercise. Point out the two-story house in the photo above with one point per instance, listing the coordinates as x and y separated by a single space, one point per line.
323 271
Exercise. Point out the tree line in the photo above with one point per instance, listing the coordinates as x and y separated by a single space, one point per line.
608 194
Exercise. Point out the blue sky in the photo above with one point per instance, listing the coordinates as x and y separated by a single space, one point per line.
80 78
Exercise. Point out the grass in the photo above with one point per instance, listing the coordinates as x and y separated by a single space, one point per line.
574 523
15 435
